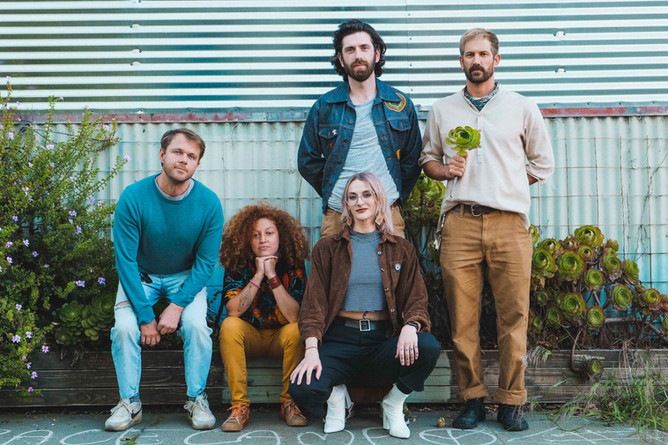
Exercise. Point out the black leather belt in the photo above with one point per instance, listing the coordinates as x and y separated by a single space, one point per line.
363 325
475 209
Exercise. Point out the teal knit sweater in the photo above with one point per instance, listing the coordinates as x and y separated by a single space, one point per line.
160 236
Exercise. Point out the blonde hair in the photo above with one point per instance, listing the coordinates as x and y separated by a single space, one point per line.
479 32
383 217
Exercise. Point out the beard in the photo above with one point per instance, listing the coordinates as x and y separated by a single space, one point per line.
360 74
486 74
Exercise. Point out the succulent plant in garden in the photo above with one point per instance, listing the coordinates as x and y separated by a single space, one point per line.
593 296
589 235
463 139
595 317
570 266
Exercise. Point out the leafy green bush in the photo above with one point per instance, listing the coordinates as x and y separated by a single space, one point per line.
57 280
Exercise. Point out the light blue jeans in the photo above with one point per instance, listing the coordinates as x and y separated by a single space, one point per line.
125 336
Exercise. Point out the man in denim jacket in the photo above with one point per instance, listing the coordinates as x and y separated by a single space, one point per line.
362 125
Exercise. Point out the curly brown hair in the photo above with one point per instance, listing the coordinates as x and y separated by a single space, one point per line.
235 249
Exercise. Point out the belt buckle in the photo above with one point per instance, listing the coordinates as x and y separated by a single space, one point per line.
365 325
473 212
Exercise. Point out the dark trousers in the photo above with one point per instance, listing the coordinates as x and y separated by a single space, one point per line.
347 351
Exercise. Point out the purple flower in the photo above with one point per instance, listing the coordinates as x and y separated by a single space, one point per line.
34 375
9 244
45 349
29 365
15 218
100 203
23 358
70 220
29 165
78 229
34 254
18 307
0 268
80 283
105 127
28 334
49 146
101 280
10 260
26 242
52 165
46 266
30 389
10 135
127 158
73 213
16 339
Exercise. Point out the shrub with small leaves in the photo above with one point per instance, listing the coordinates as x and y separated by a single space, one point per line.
55 247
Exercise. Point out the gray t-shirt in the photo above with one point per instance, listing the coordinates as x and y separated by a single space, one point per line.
365 155
365 285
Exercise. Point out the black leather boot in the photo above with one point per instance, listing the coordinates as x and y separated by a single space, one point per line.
510 417
473 412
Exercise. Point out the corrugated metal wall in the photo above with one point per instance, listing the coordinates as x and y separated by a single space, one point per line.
605 175
143 56
262 64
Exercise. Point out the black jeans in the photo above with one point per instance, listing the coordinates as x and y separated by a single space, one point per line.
346 351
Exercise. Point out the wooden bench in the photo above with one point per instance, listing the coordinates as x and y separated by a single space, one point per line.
92 381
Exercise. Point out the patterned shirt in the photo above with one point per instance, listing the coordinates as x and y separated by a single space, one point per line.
263 312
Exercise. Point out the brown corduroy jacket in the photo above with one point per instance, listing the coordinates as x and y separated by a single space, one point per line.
331 261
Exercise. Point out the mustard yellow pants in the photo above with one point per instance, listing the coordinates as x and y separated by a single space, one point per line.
239 341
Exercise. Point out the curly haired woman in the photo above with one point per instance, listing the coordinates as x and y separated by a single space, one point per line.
263 252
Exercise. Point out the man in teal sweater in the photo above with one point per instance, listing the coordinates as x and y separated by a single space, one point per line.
167 231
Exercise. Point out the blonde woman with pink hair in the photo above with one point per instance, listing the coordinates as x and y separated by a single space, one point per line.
364 308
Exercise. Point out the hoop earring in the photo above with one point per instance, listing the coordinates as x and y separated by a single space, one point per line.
379 219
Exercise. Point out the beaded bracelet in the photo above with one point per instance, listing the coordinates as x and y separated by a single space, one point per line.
253 283
274 282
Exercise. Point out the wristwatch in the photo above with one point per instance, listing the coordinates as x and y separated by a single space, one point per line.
414 324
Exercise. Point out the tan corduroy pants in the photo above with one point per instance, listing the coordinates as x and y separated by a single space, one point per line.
500 242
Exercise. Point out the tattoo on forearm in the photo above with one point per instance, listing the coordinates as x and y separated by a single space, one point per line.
245 298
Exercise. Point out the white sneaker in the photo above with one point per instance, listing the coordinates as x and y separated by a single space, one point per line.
339 408
199 414
123 416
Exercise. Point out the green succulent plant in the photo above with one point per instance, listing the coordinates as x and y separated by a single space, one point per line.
463 139
570 243
593 368
595 317
630 271
651 298
542 297
612 266
536 323
621 297
542 264
589 235
573 305
570 266
535 234
553 316
611 244
593 279
552 246
587 253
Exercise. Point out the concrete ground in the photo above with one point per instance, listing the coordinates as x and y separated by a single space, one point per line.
169 426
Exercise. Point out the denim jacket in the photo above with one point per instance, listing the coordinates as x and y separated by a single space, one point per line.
328 133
